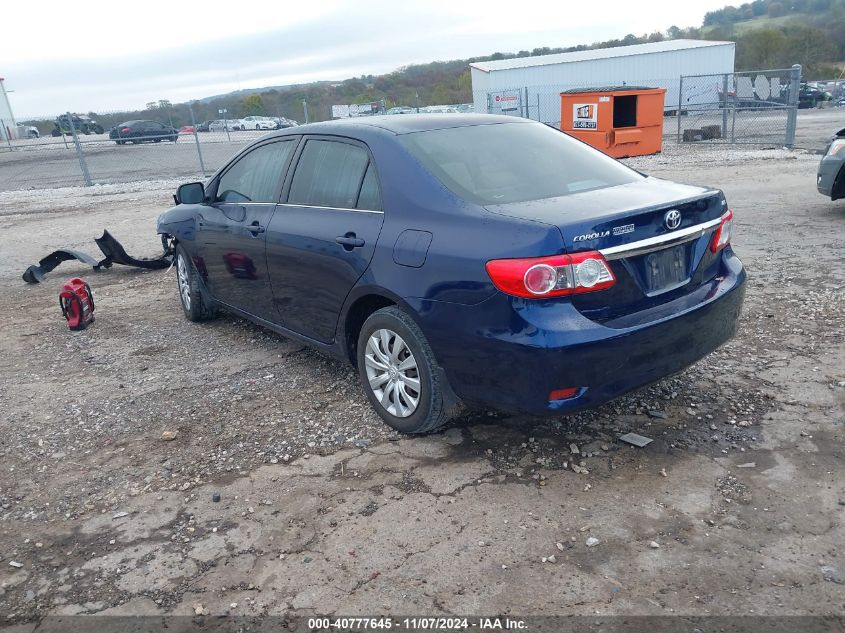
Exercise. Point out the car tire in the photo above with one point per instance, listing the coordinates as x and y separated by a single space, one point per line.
196 304
389 340
157 140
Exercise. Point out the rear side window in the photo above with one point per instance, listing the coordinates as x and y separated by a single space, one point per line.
329 174
255 177
370 196
513 162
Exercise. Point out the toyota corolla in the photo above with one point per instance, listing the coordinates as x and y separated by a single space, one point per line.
461 260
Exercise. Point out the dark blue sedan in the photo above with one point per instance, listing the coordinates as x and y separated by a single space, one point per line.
462 260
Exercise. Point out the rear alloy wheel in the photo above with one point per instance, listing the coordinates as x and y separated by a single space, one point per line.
196 305
399 373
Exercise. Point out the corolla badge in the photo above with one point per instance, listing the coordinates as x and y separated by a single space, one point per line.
672 219
595 235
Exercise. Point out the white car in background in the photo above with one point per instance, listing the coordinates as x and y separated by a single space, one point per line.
221 125
27 131
259 123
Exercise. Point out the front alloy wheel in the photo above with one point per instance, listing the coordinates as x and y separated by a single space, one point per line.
196 305
184 279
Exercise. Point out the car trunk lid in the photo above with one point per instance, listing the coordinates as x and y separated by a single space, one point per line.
654 234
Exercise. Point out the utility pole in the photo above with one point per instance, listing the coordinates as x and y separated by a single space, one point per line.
5 98
305 109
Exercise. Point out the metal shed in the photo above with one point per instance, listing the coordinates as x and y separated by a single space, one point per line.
531 86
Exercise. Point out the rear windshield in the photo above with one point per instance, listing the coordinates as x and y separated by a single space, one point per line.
514 162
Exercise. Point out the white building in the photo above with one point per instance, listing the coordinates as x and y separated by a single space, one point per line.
531 86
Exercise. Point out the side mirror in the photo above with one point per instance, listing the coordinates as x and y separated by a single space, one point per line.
190 193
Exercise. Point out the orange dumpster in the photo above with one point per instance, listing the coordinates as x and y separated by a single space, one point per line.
620 121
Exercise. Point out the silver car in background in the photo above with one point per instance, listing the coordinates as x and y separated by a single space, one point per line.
831 177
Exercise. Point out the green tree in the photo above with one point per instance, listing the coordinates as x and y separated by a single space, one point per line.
761 48
251 105
776 10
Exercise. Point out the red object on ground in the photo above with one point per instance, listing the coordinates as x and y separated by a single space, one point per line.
77 303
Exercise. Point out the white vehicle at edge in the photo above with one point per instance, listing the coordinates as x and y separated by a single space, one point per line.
221 125
27 131
258 123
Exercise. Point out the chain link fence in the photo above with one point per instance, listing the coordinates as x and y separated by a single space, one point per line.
758 107
79 150
73 149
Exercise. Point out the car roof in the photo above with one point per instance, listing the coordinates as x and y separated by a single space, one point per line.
404 124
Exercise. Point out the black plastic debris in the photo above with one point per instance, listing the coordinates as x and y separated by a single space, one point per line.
111 248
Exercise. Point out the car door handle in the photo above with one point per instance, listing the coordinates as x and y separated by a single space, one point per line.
349 241
255 228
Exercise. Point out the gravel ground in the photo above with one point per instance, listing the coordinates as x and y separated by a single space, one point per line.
735 508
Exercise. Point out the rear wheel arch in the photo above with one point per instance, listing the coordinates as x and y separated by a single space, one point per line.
838 189
358 312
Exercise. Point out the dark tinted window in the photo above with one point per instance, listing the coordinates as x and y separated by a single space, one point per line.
328 174
255 177
152 125
370 196
514 162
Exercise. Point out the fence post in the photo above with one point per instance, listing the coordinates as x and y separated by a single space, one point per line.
680 102
527 116
725 106
6 133
197 139
85 175
792 114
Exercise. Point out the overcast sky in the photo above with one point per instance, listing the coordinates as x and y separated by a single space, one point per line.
114 55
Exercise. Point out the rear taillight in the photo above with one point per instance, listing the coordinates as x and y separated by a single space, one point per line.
553 276
125 130
722 235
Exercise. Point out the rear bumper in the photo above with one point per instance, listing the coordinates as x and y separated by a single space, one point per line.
828 170
537 347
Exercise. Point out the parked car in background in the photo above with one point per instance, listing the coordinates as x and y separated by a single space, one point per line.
221 125
810 96
259 123
187 129
203 127
476 259
142 131
27 131
82 124
282 122
400 110
830 180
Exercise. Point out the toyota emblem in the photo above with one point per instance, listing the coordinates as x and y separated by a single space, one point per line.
672 219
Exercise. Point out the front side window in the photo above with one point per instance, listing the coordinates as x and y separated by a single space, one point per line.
256 176
329 174
513 162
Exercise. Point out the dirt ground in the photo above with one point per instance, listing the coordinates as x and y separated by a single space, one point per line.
735 508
